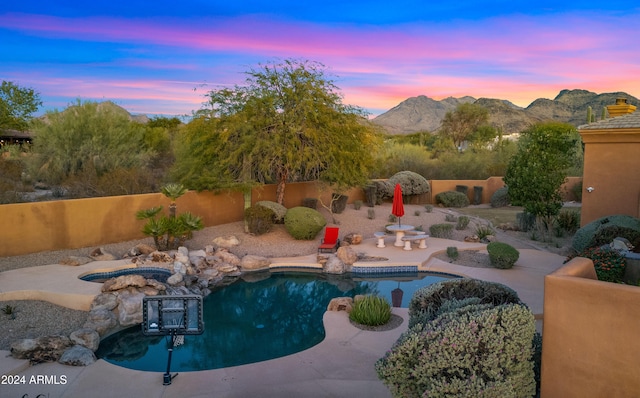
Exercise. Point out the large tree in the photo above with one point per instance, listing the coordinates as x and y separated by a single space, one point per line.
539 168
17 104
287 123
468 122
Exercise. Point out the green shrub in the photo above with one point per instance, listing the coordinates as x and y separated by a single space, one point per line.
444 231
452 199
430 301
463 223
450 218
371 310
475 351
410 182
568 220
357 204
371 214
483 231
525 221
259 219
452 253
577 191
279 211
428 208
500 197
609 264
416 213
303 223
605 229
392 218
502 255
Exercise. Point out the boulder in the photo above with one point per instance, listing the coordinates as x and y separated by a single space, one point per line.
175 279
123 282
130 307
352 239
86 337
334 265
160 257
472 239
227 257
42 349
99 254
180 267
156 285
340 304
77 356
226 242
347 255
106 301
252 262
101 320
75 260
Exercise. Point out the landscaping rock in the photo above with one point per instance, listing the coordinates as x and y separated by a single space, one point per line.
334 265
86 337
347 255
352 239
175 279
42 349
122 282
227 257
253 263
130 307
78 356
226 242
106 301
101 320
100 254
340 304
75 261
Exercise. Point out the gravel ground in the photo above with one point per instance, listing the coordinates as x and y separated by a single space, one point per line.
37 318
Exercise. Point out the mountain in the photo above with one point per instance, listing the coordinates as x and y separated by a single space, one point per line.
570 106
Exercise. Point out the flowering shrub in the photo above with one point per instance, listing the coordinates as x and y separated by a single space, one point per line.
609 264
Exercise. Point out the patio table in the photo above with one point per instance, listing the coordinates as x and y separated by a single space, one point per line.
399 230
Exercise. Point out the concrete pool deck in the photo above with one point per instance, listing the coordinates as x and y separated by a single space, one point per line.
342 365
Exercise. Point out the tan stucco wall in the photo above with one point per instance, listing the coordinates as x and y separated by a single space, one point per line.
612 168
590 335
68 224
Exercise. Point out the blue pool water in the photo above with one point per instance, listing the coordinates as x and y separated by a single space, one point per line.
249 322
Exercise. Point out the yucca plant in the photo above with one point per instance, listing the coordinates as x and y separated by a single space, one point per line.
371 310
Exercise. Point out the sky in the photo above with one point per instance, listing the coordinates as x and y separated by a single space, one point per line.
161 57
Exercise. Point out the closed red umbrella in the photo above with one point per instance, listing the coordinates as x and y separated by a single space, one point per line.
398 207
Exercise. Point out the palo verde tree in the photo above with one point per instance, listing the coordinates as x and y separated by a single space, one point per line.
286 124
539 168
17 104
468 122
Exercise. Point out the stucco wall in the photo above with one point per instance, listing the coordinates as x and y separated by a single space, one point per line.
590 344
612 169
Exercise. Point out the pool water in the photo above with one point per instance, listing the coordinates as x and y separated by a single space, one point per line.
249 322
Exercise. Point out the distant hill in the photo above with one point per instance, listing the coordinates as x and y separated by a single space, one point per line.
570 106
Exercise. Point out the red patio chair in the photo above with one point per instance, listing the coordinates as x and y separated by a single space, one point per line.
330 242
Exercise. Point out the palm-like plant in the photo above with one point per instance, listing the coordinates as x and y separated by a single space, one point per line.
173 191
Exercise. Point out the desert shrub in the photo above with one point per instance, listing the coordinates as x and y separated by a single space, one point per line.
410 182
303 223
500 198
452 199
568 220
279 211
428 208
483 231
416 213
357 204
371 310
450 218
392 218
444 231
259 219
169 233
609 264
605 229
430 301
463 223
384 190
452 252
502 255
474 351
577 191
525 221
371 214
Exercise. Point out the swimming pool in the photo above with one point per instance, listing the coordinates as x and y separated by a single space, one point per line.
274 315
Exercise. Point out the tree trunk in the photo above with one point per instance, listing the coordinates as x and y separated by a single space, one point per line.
282 181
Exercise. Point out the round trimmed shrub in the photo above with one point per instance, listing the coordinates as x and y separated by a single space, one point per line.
411 183
500 198
502 255
259 219
604 230
303 223
452 199
279 211
430 301
371 310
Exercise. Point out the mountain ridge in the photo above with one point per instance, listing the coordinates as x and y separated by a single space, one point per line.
422 113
